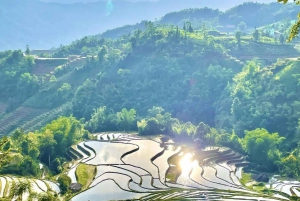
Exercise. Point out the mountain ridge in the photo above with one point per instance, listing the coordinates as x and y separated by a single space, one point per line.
48 25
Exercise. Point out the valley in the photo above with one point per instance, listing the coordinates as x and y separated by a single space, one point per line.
201 104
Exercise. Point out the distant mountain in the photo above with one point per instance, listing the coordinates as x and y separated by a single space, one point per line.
252 14
45 25
88 1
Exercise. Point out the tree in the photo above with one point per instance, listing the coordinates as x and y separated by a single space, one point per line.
191 30
102 53
290 165
46 197
29 166
238 37
47 145
27 51
52 78
204 31
25 147
242 26
295 29
17 134
256 35
261 146
34 153
154 111
4 147
184 27
202 131
177 36
18 189
149 126
64 183
126 119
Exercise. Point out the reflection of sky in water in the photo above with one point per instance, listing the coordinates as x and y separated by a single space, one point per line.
108 153
107 190
142 158
109 7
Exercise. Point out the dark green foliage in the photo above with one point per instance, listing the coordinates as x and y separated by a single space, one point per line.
242 26
64 183
178 64
238 37
18 189
49 146
16 82
46 197
262 148
158 121
27 51
259 98
256 35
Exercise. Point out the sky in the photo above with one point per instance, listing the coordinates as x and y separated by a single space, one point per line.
86 1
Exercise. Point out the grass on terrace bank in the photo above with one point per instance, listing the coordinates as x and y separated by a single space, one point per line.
85 175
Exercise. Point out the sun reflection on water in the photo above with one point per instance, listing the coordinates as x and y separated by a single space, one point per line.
187 164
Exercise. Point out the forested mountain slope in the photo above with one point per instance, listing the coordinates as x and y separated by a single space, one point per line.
44 25
250 14
162 66
182 79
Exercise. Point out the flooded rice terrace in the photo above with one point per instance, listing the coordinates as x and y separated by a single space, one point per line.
131 167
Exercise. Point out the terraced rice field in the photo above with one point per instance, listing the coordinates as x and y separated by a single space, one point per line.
45 66
36 187
42 118
287 187
2 109
20 116
129 167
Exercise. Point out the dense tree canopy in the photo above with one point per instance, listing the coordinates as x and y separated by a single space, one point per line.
295 29
47 145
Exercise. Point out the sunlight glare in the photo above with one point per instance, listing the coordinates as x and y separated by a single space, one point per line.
186 164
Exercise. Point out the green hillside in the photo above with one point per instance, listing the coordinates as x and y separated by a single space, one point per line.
179 67
176 106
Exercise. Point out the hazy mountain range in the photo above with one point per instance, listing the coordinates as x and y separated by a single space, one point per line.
45 25
88 1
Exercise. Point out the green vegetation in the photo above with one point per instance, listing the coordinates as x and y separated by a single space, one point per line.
245 178
261 146
64 183
295 29
18 189
85 174
48 145
186 83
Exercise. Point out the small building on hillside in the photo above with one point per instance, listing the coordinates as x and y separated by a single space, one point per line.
75 187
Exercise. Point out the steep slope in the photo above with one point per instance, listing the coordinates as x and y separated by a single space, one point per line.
187 73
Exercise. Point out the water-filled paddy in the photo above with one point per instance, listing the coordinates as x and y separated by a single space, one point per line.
108 153
162 161
107 190
129 167
41 185
3 183
142 158
101 170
